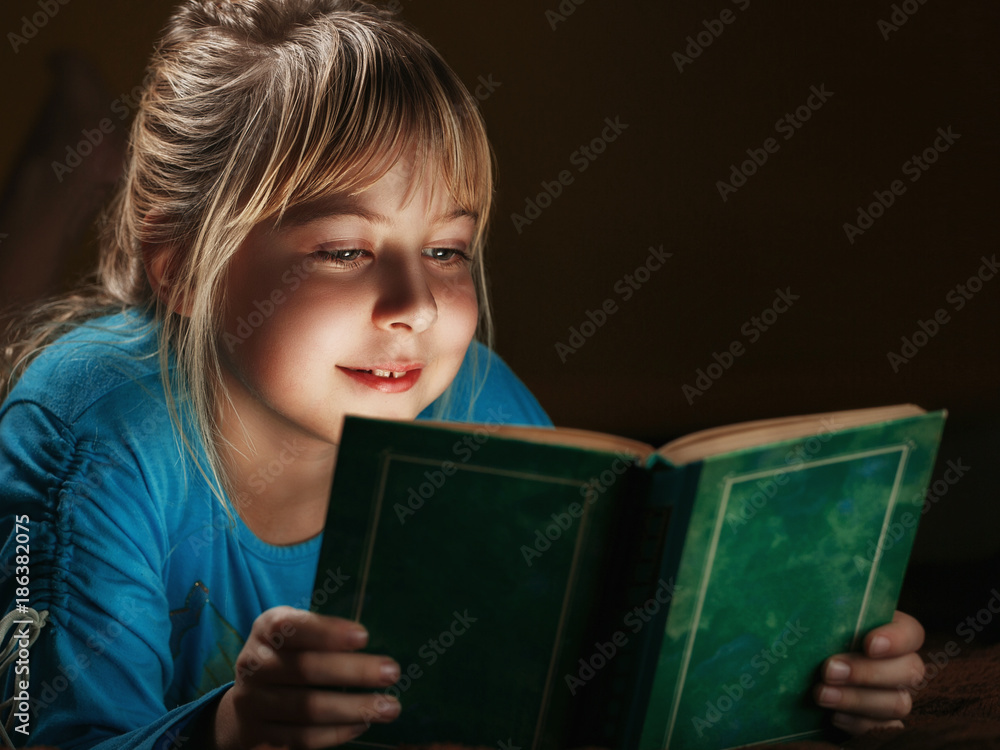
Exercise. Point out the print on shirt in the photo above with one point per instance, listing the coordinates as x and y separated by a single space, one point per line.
221 644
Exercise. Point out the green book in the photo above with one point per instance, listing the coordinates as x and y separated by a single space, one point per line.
559 588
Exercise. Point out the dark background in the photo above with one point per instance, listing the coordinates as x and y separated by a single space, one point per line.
552 90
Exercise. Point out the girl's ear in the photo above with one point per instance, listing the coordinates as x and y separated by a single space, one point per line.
161 263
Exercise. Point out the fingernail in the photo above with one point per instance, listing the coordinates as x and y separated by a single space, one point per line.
829 696
879 645
841 720
358 637
390 672
388 706
837 671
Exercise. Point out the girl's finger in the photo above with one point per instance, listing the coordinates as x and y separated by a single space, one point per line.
855 669
300 630
309 707
873 703
861 724
903 635
333 669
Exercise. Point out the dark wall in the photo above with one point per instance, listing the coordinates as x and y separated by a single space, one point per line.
551 82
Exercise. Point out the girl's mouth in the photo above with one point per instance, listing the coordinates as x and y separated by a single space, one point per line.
385 381
385 373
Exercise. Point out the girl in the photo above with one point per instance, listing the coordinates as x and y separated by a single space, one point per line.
298 234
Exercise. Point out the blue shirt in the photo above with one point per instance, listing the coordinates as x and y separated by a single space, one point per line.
151 589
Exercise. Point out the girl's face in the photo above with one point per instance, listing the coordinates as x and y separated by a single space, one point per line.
362 305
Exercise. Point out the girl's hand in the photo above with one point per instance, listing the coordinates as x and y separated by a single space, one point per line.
281 695
872 690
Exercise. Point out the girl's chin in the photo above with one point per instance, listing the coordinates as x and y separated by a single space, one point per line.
401 415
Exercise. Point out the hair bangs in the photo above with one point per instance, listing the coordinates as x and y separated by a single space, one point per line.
377 100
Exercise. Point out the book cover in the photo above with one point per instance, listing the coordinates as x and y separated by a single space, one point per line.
541 595
475 562
793 552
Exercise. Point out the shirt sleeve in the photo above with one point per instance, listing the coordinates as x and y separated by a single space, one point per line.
98 551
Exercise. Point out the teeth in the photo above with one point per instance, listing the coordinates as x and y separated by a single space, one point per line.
387 374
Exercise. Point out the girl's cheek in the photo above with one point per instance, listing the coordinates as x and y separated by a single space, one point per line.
457 302
461 306
458 289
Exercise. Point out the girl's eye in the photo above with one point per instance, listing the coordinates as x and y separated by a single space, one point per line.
447 255
354 258
341 258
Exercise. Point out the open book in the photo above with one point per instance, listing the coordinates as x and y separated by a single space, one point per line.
555 588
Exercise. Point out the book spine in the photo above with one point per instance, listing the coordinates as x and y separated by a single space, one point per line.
621 650
603 669
672 489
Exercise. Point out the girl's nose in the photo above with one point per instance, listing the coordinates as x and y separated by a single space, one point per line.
405 299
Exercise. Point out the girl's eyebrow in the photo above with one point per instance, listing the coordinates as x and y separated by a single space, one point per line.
329 208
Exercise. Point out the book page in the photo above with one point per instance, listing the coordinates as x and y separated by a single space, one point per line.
718 440
568 436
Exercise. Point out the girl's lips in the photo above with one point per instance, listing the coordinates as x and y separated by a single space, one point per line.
390 384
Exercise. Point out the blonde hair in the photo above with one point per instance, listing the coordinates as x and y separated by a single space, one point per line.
251 107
